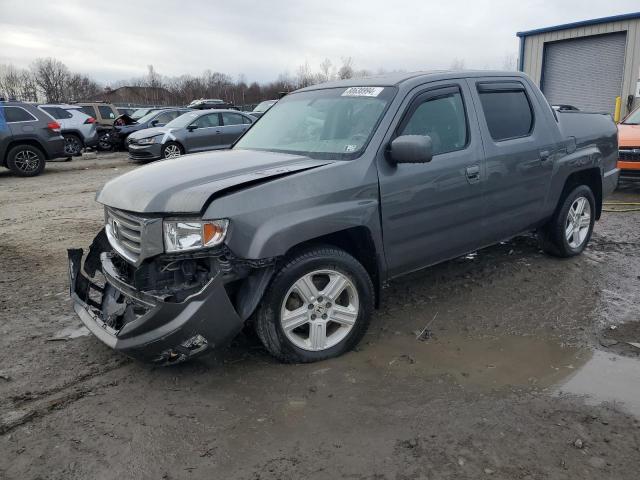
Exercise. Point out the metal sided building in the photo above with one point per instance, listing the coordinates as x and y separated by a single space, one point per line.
586 64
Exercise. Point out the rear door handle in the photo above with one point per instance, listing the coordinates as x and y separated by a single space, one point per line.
473 173
544 155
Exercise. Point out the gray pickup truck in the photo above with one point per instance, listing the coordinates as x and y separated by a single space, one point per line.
337 189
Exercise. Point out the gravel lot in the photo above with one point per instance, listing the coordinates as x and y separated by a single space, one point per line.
497 390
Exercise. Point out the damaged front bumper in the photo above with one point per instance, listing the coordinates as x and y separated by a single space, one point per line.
156 329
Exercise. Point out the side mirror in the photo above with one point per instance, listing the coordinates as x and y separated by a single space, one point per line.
192 127
154 123
411 149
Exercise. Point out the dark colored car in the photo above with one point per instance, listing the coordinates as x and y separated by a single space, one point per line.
338 189
28 138
155 118
194 131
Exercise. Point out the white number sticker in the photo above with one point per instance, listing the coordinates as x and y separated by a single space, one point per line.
362 91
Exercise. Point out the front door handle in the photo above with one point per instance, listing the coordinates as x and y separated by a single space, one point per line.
473 173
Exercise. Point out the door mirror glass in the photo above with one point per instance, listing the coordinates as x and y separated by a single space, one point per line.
411 149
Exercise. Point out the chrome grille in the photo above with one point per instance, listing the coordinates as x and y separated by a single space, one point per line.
629 154
125 233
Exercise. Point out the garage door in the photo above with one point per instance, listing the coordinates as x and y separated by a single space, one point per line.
585 72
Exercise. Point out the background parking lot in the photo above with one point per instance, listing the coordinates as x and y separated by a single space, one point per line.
516 335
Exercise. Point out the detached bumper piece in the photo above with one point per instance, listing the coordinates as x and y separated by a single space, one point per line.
145 326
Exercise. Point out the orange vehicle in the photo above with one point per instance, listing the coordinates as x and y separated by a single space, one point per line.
629 145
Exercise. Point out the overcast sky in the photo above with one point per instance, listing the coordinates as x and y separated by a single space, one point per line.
263 38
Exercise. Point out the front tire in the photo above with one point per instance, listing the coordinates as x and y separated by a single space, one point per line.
318 306
104 141
171 150
570 229
26 160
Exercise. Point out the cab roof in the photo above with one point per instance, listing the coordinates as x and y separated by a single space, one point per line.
410 78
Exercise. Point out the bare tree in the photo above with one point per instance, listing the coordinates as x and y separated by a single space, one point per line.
346 70
326 70
304 77
28 87
51 76
10 82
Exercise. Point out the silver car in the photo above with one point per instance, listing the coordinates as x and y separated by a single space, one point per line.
78 128
192 132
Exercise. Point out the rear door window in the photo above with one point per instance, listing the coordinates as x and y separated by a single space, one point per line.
17 114
57 112
507 110
106 112
229 118
89 110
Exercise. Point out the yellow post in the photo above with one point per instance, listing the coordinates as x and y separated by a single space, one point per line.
616 114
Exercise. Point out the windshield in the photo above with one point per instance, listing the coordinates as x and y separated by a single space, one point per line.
332 123
147 117
264 106
633 119
139 113
184 119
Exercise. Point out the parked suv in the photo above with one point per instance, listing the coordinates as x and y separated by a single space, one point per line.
78 128
195 131
338 189
28 138
155 118
105 114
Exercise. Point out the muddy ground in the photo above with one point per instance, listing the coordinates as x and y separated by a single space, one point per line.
523 371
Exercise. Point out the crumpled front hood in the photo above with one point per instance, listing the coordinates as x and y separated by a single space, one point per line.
185 184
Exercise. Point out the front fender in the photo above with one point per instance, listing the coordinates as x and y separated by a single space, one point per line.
280 233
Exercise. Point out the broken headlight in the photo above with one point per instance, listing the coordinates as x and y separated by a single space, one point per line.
184 235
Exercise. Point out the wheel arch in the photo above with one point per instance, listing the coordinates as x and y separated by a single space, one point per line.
26 141
356 241
591 177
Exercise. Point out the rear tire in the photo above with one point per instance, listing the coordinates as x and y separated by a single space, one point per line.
318 306
26 160
569 231
172 150
72 145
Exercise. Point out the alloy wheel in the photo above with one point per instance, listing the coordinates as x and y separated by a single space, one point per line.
171 151
319 310
72 145
578 222
27 161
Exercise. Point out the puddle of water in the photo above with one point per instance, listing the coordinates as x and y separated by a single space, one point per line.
606 377
485 364
69 333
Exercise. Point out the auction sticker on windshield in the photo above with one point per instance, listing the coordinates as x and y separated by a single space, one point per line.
362 91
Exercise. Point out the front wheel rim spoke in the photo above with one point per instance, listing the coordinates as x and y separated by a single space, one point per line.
306 289
294 319
318 335
335 287
343 315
